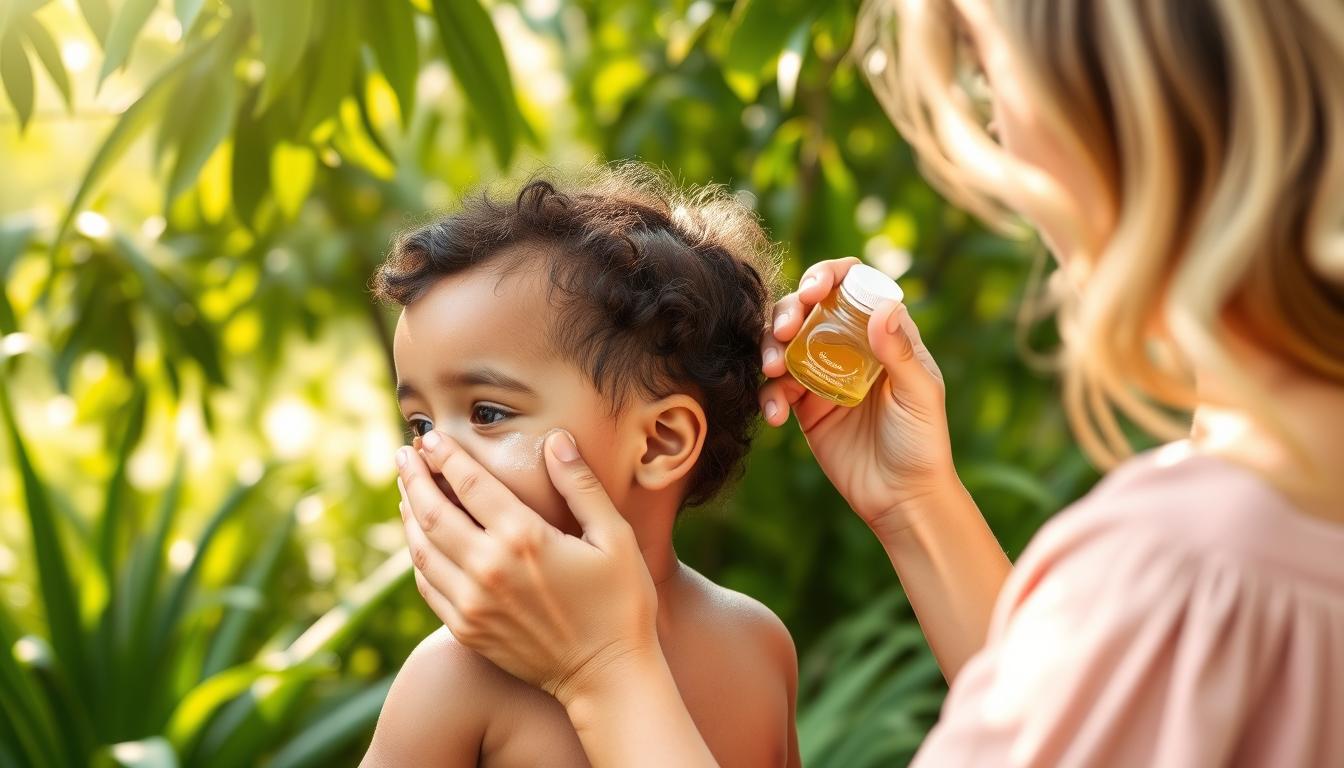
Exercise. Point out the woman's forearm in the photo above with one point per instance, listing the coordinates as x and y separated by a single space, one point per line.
633 714
952 569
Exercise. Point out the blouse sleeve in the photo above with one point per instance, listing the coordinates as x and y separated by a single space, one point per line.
1117 643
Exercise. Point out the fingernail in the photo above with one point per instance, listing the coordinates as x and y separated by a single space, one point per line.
771 355
562 445
401 456
770 410
781 321
401 489
430 440
808 282
894 322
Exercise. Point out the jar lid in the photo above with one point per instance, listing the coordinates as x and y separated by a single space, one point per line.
868 287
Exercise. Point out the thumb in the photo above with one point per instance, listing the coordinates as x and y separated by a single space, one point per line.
582 491
895 342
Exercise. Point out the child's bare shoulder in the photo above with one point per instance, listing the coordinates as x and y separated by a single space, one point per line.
737 670
427 694
727 611
742 632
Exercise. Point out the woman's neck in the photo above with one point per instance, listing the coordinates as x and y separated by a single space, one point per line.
1296 444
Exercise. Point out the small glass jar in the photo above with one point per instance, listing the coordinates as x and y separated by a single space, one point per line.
830 355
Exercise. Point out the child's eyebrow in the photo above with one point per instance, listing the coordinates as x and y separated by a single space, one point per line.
486 377
475 377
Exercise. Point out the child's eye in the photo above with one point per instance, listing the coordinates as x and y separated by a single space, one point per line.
482 414
416 427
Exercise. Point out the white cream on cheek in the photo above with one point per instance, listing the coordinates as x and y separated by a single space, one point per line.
518 452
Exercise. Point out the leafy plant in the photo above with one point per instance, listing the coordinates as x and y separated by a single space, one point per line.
147 678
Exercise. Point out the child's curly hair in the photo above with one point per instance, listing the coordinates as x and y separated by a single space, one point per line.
655 288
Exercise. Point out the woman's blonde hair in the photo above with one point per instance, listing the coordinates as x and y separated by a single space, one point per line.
1214 132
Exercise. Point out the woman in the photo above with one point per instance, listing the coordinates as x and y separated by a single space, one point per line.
1184 162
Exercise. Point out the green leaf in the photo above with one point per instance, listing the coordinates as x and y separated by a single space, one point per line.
138 117
68 707
186 11
338 625
17 74
13 241
790 64
56 586
253 725
250 174
318 743
210 114
756 33
476 57
121 37
293 168
365 118
154 752
145 568
185 583
115 494
333 68
180 322
49 55
98 15
284 28
22 705
198 706
389 28
224 647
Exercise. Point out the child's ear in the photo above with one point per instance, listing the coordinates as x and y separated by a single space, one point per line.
674 432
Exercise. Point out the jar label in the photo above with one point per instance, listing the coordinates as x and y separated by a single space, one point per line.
835 354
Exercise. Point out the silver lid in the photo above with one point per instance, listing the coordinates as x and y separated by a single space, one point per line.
868 287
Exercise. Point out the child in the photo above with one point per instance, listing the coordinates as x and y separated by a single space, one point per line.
630 316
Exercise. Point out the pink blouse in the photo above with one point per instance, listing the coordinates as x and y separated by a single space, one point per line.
1182 614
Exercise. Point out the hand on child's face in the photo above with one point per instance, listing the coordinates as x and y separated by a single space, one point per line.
472 361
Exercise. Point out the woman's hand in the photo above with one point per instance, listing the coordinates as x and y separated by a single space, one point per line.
572 616
551 609
890 457
891 452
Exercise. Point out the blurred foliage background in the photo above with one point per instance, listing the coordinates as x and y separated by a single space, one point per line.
200 557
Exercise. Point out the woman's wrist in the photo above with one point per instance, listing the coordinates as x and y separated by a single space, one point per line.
951 566
938 496
630 712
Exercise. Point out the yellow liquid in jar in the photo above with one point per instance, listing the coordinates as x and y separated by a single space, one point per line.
830 355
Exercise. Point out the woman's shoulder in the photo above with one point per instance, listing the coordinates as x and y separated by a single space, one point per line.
1148 624
1172 504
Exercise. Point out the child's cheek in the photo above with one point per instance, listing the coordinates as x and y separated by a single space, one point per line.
516 459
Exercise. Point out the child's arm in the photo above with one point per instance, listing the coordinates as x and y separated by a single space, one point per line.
790 660
433 714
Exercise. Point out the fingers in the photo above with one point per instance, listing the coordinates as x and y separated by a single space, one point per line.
777 397
445 525
896 344
790 311
440 571
439 604
772 356
787 317
821 277
588 501
480 493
